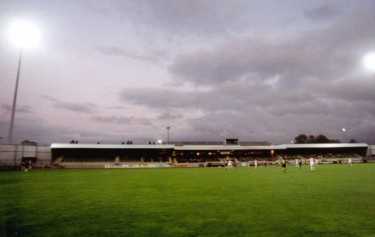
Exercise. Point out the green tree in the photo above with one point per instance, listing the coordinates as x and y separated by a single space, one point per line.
302 138
311 139
322 139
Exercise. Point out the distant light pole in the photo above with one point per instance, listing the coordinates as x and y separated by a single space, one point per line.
23 35
168 129
344 130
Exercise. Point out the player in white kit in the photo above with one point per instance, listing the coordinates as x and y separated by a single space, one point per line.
230 164
255 164
350 162
312 164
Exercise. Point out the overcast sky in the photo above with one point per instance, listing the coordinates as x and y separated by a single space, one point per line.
257 70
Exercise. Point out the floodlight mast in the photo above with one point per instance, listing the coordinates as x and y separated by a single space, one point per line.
23 35
14 104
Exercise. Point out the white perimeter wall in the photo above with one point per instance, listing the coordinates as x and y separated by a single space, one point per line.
371 150
11 155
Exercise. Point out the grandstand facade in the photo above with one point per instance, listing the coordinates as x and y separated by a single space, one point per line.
105 155
176 155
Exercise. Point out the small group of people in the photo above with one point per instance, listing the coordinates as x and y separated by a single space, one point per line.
311 162
299 163
256 163
26 165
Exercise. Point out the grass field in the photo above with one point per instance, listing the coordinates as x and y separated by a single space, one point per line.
335 200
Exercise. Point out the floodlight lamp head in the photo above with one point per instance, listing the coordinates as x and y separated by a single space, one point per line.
24 34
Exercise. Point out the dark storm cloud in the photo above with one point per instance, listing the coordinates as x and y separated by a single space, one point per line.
324 12
122 120
325 54
234 68
78 107
267 82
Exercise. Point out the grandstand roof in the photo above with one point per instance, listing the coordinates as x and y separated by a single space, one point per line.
110 146
227 147
207 147
327 145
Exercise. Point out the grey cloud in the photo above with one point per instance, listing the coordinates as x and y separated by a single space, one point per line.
323 12
258 125
248 60
306 78
121 52
184 16
159 98
328 53
352 89
116 107
19 109
43 133
123 120
237 96
37 130
256 60
269 112
78 107
169 116
266 83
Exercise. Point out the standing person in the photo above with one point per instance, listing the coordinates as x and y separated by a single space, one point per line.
300 163
297 163
255 164
30 165
311 163
350 161
230 164
283 165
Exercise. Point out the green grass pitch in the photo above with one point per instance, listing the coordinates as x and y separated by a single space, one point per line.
334 200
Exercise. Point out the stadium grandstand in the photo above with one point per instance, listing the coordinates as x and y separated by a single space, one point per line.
179 154
197 155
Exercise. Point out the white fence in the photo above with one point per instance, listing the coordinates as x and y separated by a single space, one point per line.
371 150
12 155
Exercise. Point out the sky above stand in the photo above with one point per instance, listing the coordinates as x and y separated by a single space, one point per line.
111 70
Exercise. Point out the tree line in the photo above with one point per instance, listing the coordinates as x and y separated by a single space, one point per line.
303 138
